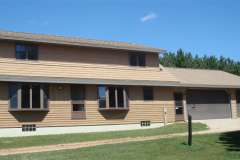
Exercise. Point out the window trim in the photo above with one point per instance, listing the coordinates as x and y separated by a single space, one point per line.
84 103
152 93
137 54
125 107
26 51
19 100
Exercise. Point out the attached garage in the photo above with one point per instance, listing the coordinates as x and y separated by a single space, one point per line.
238 103
208 104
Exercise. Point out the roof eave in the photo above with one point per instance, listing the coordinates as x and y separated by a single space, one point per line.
157 51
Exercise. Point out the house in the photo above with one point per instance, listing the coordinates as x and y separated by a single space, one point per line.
54 84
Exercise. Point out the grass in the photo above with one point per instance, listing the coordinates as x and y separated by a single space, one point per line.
209 146
16 142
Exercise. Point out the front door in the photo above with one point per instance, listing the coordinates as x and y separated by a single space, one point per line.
178 104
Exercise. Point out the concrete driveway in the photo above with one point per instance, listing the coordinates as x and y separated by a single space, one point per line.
221 125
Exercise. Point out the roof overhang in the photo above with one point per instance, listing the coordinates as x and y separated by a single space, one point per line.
157 51
106 82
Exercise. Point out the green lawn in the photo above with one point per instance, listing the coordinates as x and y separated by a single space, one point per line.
209 146
81 137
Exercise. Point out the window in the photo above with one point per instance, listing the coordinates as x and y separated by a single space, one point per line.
111 97
78 101
28 97
137 59
145 123
26 128
148 93
29 52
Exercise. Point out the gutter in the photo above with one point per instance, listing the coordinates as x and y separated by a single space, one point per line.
157 51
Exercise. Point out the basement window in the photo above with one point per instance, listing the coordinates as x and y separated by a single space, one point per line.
145 123
26 128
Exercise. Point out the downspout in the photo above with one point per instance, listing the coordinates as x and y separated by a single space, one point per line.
230 103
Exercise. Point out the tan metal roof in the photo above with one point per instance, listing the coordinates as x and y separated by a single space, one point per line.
79 41
204 77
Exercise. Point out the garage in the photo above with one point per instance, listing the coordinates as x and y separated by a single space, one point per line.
238 103
208 104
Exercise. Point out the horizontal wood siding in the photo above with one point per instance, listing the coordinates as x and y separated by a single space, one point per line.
77 62
233 102
60 109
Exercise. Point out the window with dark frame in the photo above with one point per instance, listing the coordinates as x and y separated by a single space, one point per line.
78 101
137 59
148 93
111 97
28 96
28 52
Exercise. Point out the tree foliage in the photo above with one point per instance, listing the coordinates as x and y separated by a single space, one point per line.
186 60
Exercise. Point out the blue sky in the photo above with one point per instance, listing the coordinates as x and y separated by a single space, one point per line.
199 27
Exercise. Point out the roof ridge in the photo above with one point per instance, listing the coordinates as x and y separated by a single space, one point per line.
74 38
197 69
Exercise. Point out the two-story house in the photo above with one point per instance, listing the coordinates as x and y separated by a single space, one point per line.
54 84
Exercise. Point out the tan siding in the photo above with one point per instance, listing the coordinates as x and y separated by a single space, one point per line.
3 93
233 103
91 94
59 96
7 50
152 60
76 62
60 112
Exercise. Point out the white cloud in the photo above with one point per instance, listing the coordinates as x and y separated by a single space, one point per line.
45 23
149 16
31 21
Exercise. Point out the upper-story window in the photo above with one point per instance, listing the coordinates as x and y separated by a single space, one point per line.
137 59
29 52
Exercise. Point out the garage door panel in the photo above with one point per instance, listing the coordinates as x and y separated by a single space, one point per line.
208 104
209 111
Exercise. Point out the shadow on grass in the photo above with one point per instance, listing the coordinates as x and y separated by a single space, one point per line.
231 140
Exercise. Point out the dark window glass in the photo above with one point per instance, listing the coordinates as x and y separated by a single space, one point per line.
45 96
78 107
77 93
133 59
13 96
178 96
148 93
20 52
112 102
36 96
179 110
25 96
32 52
120 97
141 60
127 97
102 97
